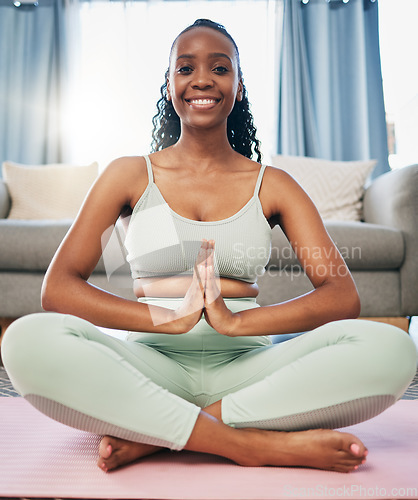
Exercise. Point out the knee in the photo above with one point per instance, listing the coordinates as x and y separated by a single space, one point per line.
389 338
389 350
29 345
26 337
15 336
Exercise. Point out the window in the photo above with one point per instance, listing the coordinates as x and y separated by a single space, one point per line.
398 47
123 55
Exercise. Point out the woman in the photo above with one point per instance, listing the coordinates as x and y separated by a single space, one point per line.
198 371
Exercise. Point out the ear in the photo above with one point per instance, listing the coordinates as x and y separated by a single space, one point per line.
168 90
240 91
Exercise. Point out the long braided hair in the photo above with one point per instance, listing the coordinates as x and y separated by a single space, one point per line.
240 124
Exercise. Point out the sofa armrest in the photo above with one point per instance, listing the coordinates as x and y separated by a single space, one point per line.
392 200
5 200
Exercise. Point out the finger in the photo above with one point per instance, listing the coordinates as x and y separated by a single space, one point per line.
214 276
201 255
199 270
206 249
212 291
212 282
207 264
210 252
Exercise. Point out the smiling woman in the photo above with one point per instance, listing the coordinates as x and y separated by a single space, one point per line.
201 68
192 74
198 370
118 71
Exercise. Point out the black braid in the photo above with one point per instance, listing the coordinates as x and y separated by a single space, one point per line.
240 125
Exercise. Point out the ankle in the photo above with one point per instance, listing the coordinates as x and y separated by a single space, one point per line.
215 410
211 435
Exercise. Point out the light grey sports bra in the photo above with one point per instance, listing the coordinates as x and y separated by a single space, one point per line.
160 242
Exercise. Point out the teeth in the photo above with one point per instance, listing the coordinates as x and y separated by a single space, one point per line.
202 101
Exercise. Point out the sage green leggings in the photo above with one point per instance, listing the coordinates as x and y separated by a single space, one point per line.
151 387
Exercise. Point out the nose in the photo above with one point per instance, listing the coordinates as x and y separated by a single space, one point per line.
202 79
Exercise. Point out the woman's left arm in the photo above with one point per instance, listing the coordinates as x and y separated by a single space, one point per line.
334 296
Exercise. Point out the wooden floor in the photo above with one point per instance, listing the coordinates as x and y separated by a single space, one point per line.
400 322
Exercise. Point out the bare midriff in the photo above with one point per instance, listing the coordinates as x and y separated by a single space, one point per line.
177 286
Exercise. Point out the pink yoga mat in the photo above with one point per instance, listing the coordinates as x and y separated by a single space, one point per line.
42 458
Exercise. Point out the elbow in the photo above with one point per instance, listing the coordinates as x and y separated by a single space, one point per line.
344 300
354 307
47 302
59 292
49 295
47 305
351 305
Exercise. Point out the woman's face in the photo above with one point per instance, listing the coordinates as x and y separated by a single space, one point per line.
203 81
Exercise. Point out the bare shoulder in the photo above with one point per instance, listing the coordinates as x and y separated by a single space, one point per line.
279 178
127 177
280 192
126 169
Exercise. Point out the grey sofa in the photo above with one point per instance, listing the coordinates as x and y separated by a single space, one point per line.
382 253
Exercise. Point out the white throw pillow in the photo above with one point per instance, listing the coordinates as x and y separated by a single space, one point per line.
336 187
54 191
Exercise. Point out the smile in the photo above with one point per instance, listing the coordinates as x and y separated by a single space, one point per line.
202 103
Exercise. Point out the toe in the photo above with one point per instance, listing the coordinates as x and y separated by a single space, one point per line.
106 454
358 450
105 448
102 464
354 446
346 467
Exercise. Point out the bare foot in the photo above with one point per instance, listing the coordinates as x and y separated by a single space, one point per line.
317 448
115 452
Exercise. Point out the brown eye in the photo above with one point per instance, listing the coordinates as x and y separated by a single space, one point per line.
185 69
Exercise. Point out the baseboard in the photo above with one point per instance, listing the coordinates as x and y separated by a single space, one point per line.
399 321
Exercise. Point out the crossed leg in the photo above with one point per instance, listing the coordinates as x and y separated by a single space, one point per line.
317 448
103 384
362 368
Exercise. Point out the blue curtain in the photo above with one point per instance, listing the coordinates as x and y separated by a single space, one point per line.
331 96
32 71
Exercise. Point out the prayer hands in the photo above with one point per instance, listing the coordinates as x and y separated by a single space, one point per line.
216 313
190 312
204 296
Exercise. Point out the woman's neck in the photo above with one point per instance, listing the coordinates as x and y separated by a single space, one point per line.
201 145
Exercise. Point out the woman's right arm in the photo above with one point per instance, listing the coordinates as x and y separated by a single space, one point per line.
65 288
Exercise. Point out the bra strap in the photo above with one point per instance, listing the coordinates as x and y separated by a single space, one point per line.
149 169
259 179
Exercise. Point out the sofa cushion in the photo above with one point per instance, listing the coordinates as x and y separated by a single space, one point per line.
363 246
379 290
53 191
30 245
336 187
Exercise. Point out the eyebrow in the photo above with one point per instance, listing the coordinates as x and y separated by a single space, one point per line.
212 55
